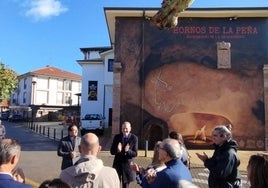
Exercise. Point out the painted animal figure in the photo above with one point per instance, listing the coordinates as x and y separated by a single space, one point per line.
201 134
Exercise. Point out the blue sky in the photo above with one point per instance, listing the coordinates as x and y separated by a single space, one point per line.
36 33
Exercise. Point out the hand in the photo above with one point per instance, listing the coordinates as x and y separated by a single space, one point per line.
134 166
150 175
73 154
18 175
127 148
119 147
202 157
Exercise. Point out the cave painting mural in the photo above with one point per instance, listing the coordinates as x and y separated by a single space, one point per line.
172 75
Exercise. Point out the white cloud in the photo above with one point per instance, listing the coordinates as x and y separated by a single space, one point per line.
43 9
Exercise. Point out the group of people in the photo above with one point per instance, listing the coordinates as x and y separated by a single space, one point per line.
170 165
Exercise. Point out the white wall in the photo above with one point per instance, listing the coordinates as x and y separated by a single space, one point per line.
92 72
52 98
97 71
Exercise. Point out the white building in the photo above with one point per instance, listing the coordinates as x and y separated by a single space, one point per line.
97 82
47 91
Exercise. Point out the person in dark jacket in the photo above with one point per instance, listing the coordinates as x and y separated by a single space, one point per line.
223 165
125 148
68 147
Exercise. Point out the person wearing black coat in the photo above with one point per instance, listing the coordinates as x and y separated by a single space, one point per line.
125 148
223 165
68 147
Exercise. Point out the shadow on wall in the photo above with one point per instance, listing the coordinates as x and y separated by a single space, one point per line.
155 130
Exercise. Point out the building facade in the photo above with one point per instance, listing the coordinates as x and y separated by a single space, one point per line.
210 69
97 82
45 94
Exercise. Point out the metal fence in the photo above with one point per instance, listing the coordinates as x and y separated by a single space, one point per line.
53 131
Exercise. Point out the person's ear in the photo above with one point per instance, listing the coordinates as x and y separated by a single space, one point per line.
99 149
79 148
223 136
14 160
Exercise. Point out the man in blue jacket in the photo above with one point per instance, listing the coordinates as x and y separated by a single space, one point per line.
9 157
175 171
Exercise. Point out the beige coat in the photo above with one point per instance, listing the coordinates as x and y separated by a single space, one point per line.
90 172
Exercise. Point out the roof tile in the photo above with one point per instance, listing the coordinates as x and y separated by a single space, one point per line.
55 72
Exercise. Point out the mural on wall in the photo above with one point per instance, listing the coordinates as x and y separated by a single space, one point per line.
173 75
92 90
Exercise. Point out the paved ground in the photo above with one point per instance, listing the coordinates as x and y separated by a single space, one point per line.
39 159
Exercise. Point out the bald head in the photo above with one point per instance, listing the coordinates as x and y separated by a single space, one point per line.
172 147
89 145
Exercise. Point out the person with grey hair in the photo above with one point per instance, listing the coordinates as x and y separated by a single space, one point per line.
169 153
124 148
184 156
89 171
9 157
223 165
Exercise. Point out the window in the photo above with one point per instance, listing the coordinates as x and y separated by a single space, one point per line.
60 85
110 65
67 98
24 97
14 101
92 117
59 98
67 85
42 97
24 83
42 84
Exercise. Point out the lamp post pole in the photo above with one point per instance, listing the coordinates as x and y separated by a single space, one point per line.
33 99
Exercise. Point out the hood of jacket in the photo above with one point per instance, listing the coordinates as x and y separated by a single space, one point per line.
85 170
228 144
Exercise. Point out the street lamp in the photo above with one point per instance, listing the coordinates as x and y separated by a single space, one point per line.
33 99
33 91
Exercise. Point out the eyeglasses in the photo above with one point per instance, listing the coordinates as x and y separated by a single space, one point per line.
160 148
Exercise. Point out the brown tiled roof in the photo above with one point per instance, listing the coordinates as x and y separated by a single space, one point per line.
55 72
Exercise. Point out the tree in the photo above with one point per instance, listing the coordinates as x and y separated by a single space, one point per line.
8 82
167 16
